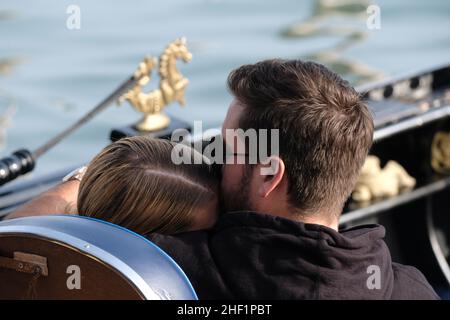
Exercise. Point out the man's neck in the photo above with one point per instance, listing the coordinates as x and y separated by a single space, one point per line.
310 218
315 220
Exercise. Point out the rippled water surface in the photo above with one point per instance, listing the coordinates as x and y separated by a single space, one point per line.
50 75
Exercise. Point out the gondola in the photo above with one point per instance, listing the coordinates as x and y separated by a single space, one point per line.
409 111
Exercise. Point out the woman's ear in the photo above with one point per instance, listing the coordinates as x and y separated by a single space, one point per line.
270 175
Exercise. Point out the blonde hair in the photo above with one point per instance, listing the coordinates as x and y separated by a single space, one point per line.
134 183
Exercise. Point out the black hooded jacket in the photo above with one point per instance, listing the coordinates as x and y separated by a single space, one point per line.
257 256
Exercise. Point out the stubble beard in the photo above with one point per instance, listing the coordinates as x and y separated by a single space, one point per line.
237 199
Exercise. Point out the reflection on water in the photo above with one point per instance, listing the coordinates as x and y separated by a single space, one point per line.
325 9
7 108
6 115
5 15
6 65
337 18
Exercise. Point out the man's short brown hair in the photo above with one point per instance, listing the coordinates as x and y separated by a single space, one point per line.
325 129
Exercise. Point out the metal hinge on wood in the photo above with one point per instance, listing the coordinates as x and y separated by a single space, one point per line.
25 262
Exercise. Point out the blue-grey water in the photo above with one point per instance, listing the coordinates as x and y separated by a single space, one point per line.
51 75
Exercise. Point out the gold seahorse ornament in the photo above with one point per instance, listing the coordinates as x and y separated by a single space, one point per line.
172 86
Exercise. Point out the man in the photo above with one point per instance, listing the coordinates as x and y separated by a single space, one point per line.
279 238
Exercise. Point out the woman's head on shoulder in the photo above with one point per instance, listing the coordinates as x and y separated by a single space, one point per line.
135 183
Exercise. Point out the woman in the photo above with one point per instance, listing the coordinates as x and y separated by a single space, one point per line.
135 184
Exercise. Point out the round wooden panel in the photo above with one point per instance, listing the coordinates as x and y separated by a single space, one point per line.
97 279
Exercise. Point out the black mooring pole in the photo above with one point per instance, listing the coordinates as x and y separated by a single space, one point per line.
23 161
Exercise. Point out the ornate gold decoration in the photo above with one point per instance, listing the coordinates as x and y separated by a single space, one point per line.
376 182
172 86
440 152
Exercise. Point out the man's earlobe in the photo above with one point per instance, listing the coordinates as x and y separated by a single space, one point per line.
271 175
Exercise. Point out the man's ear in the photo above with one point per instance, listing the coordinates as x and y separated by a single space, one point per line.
270 175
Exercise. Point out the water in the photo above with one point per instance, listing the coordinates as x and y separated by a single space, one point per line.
50 75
